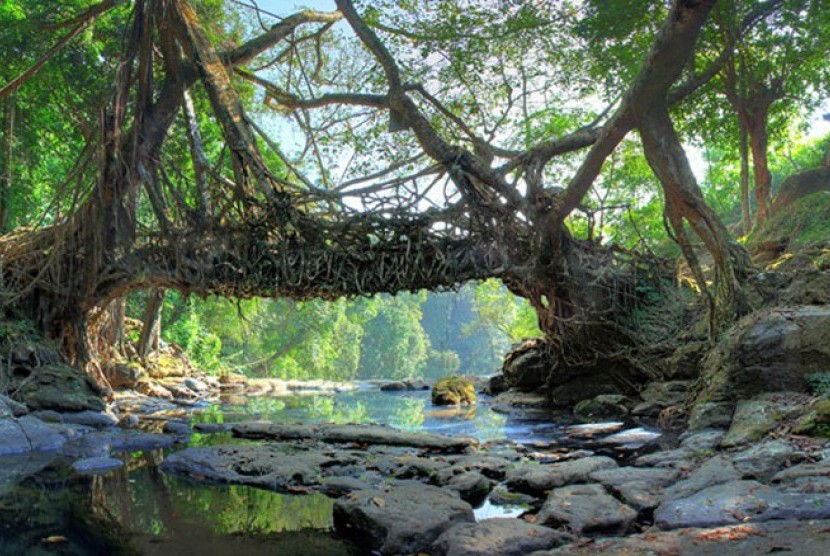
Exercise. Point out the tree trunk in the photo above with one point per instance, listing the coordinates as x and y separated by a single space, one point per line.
6 161
746 210
758 142
684 199
151 329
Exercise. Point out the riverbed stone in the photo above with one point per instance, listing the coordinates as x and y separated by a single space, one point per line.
90 418
502 536
754 418
706 415
404 518
61 388
472 486
15 408
104 442
716 471
586 510
666 393
345 434
603 407
762 461
453 390
810 469
96 466
539 478
740 502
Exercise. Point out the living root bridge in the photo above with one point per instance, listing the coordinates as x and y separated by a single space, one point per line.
237 263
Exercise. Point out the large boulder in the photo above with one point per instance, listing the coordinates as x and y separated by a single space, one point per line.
124 375
586 509
503 536
772 350
405 518
59 387
527 366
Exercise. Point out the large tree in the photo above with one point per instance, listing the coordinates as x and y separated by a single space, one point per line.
181 189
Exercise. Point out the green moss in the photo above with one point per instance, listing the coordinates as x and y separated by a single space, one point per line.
804 222
453 390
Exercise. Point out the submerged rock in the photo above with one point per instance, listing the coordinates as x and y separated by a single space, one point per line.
95 466
502 536
587 510
405 518
345 434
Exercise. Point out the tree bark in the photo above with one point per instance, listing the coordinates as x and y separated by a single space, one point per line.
756 125
746 209
7 161
151 329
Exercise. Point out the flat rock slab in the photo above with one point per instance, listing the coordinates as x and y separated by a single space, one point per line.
587 510
269 466
502 536
716 471
405 518
539 478
790 537
103 443
740 502
97 466
30 434
358 434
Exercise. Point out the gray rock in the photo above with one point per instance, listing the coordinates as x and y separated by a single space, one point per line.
91 418
397 386
405 518
61 388
502 536
503 497
647 409
196 385
569 392
819 469
42 437
681 458
704 440
603 407
269 466
177 427
587 510
347 434
740 502
16 408
12 439
48 416
754 418
102 443
527 366
717 470
657 476
212 428
472 486
707 415
339 486
539 478
96 466
666 393
764 460
804 538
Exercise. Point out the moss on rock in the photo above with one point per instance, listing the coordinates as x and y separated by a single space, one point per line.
454 390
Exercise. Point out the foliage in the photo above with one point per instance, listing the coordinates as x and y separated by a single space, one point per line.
819 383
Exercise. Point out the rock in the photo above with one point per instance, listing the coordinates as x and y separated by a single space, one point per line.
196 385
496 385
647 409
402 519
656 476
346 434
569 392
756 417
128 421
168 365
472 486
153 389
771 350
102 443
61 388
28 434
587 510
740 502
819 469
454 391
527 366
703 441
270 466
762 461
705 415
48 416
339 486
212 428
603 407
16 408
233 378
667 393
716 471
97 466
177 427
503 497
632 437
394 386
539 478
124 375
502 536
510 399
91 418
816 420
805 538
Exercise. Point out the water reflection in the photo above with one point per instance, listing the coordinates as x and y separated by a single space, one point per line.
139 510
